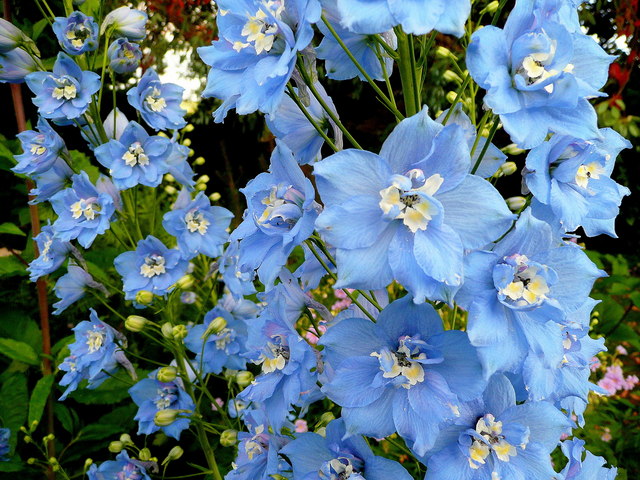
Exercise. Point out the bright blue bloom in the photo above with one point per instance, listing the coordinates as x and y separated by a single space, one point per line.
124 56
93 356
179 166
404 373
152 395
538 73
255 56
40 149
218 348
198 226
589 468
83 211
237 278
281 212
495 438
570 180
258 450
53 253
157 102
76 33
333 457
311 271
10 36
65 93
122 467
126 22
152 266
292 128
363 47
239 308
415 207
136 158
530 277
415 16
15 65
71 287
52 181
286 359
5 435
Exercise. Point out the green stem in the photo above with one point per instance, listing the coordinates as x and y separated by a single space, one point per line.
459 93
385 73
492 132
312 121
483 122
417 91
406 66
104 69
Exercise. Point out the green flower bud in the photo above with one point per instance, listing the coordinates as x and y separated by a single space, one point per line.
116 446
31 461
179 332
167 374
167 330
135 323
27 439
144 297
188 128
451 76
512 149
186 282
451 97
186 142
203 179
166 417
199 161
174 454
325 418
126 439
170 189
230 374
215 326
516 203
244 378
228 438
201 186
169 178
145 453
492 6
508 168
444 52
87 463
215 196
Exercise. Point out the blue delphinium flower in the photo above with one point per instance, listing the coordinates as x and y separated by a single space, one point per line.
179 167
151 396
126 22
415 207
588 468
72 286
289 124
15 65
76 33
364 48
51 181
198 226
152 266
5 434
83 211
530 277
258 450
219 342
570 180
136 158
122 467
311 271
93 356
157 102
333 457
255 56
495 438
538 74
124 56
416 16
40 148
281 212
404 374
65 93
53 253
10 36
237 278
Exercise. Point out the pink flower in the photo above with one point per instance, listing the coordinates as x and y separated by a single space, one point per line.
606 436
301 426
595 364
219 404
630 382
621 350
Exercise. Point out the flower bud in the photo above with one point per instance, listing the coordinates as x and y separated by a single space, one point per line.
170 189
121 123
191 152
244 378
116 446
53 460
515 204
87 463
126 439
451 97
169 178
167 330
15 65
199 161
451 76
135 323
492 6
189 128
512 149
203 179
31 461
444 52
145 453
186 142
508 168
174 454
325 418
167 374
215 326
27 439
144 297
10 36
164 418
228 438
215 196
125 22
179 332
185 282
201 187
230 374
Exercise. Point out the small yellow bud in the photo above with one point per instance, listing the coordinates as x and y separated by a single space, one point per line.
215 326
174 454
188 128
162 134
186 282
199 161
126 439
169 178
48 438
27 439
228 438
170 189
144 297
186 142
201 187
87 463
167 330
244 378
325 418
145 454
135 323
55 468
444 52
451 97
53 460
191 153
451 76
167 374
116 446
492 6
508 168
31 461
515 204
23 429
512 149
215 196
203 179
179 332
164 418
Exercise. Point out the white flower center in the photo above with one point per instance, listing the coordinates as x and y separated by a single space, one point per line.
153 265
588 171
37 149
255 446
402 362
135 155
527 284
491 438
196 222
95 340
258 31
275 359
155 101
224 338
65 90
84 208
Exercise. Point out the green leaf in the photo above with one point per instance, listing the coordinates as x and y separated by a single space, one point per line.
98 432
80 162
20 326
11 229
14 400
11 466
63 415
38 27
39 398
11 266
19 351
110 392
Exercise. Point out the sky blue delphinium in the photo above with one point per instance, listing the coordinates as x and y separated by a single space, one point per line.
538 73
151 395
126 22
122 467
236 277
15 65
496 439
338 65
289 124
93 356
333 457
10 36
65 93
218 343
83 212
72 286
281 212
404 373
415 207
157 102
415 16
76 33
570 179
5 434
529 278
136 158
583 465
254 57
53 253
41 149
179 167
51 181
198 226
152 266
124 56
